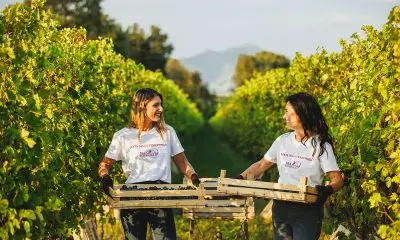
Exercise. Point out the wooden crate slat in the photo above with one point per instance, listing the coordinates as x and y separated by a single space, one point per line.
225 209
210 184
215 193
262 193
209 179
298 197
155 193
143 185
159 204
218 203
251 213
216 216
219 210
311 198
159 186
264 185
157 196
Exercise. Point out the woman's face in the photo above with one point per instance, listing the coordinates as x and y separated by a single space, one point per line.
292 119
154 109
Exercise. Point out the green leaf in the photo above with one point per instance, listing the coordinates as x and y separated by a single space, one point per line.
3 205
49 113
27 213
24 133
378 167
27 227
10 226
31 143
39 214
375 200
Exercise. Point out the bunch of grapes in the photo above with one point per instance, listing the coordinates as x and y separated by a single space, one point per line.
128 188
188 187
163 198
135 188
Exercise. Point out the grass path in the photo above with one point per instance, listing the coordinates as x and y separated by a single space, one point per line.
208 155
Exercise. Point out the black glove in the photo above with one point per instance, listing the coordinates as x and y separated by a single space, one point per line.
195 179
106 183
323 193
240 177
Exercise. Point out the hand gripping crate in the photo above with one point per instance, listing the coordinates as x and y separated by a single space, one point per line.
269 190
130 196
220 205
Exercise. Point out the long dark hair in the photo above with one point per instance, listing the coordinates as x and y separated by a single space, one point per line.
310 114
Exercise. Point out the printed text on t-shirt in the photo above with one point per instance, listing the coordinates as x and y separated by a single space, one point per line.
148 145
295 156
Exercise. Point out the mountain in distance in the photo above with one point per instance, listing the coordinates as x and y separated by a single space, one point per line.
217 67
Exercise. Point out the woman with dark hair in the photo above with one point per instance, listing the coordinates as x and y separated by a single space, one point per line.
145 148
307 150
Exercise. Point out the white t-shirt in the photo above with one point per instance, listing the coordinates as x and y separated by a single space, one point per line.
149 160
295 159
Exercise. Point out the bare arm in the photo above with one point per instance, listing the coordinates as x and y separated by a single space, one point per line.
336 180
257 168
105 165
183 164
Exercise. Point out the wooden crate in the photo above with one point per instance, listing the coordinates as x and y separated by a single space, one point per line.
220 205
269 190
130 196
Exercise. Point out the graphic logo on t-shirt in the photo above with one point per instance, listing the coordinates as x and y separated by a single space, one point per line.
149 153
292 164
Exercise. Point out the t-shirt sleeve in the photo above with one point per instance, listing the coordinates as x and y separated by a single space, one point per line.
328 160
272 153
114 150
176 146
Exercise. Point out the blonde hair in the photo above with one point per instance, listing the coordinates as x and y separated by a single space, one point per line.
138 111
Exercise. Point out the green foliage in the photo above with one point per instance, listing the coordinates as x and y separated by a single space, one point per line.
359 90
80 13
258 228
228 229
61 99
150 50
262 61
192 84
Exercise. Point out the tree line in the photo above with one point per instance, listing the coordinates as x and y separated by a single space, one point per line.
150 49
154 51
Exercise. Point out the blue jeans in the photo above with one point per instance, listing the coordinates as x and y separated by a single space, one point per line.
161 221
297 221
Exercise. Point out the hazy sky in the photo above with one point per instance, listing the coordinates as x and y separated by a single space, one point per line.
282 26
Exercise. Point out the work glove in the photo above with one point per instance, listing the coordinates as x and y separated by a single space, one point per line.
323 193
240 177
106 183
195 179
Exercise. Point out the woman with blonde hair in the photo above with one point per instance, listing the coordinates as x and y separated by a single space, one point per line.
145 148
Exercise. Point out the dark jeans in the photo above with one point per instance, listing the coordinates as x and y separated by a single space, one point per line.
297 221
161 221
